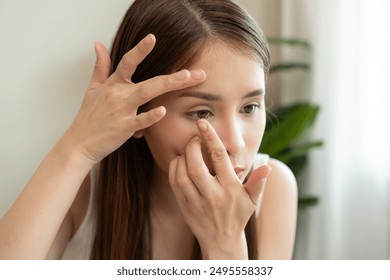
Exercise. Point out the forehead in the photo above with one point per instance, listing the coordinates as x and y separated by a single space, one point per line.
226 67
230 75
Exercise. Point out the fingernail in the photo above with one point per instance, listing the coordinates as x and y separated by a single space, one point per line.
160 111
149 39
197 74
202 125
180 76
266 171
195 138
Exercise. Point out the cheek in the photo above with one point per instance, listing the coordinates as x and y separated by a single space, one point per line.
259 133
168 139
254 133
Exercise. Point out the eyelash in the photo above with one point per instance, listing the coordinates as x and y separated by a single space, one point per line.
196 114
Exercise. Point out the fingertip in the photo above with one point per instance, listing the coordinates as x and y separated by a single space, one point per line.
195 142
262 172
266 170
195 139
99 47
198 75
152 37
174 161
96 44
149 39
181 76
202 125
160 112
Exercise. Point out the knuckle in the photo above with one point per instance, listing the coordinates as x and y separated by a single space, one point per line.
150 118
143 120
212 202
230 194
113 91
111 100
163 82
129 60
217 155
97 68
195 172
182 181
143 93
138 122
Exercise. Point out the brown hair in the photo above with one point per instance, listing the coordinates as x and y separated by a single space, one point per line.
182 28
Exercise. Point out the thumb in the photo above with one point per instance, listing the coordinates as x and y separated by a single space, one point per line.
102 66
256 182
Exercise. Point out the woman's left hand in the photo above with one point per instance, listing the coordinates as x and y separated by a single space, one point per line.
216 208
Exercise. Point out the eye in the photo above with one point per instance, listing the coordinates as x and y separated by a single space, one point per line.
201 114
250 109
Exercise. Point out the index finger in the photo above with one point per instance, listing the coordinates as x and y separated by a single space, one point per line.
134 57
217 151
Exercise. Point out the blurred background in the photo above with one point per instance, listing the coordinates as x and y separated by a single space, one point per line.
331 56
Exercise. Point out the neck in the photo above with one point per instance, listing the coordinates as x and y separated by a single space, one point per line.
162 196
171 237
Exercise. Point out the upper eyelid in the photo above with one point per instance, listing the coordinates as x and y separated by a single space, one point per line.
192 114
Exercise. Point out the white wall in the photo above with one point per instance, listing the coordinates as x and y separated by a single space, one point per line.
46 58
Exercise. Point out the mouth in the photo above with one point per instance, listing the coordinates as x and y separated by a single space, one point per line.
239 171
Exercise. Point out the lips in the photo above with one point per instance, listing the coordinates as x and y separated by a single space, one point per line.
239 171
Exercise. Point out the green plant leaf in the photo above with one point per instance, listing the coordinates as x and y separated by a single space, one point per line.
289 41
292 122
307 201
277 67
298 150
297 164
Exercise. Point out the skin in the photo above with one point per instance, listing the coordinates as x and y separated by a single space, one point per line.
200 169
201 179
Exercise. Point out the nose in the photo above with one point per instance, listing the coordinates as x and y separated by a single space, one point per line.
231 134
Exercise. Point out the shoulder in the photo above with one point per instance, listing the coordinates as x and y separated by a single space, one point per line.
276 220
282 178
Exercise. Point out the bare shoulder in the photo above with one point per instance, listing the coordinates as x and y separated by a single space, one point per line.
282 178
277 216
72 221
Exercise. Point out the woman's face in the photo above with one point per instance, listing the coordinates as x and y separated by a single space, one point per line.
231 99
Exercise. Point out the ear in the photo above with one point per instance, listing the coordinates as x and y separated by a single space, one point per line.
138 134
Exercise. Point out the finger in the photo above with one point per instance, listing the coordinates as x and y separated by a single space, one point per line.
102 66
219 158
172 174
197 169
184 182
152 88
256 182
147 119
134 57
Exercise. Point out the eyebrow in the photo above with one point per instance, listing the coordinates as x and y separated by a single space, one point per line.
212 97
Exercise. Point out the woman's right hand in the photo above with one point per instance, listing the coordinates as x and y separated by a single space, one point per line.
108 115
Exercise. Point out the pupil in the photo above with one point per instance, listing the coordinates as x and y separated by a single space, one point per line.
249 109
203 114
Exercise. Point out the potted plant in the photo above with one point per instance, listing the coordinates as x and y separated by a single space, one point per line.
286 134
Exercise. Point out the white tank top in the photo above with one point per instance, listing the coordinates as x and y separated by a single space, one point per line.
80 246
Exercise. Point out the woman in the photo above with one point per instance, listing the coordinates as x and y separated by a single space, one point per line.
161 160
